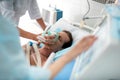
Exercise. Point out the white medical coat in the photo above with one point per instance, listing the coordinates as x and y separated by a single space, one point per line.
14 9
13 65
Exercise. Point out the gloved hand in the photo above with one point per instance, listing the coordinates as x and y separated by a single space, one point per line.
48 37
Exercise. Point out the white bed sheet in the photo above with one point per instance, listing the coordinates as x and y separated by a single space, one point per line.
101 61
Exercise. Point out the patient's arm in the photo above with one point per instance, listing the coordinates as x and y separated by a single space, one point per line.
81 46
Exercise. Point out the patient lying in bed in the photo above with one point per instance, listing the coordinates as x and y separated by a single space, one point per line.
65 40
60 26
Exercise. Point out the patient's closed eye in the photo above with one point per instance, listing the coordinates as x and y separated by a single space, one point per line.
60 38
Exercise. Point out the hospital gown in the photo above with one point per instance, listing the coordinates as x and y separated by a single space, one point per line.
14 9
13 65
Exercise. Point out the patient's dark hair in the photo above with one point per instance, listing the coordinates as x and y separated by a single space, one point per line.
69 43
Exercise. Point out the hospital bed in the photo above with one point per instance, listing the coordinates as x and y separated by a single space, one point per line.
100 62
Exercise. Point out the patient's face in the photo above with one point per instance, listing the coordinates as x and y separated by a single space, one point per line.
63 38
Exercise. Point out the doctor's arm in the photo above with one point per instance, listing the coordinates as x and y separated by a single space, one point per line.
32 36
81 46
28 35
41 23
34 13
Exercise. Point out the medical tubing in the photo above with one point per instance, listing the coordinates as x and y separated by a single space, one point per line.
37 54
28 47
87 10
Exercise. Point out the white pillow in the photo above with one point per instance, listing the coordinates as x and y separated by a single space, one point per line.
77 33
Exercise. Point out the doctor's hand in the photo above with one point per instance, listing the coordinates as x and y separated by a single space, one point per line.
48 40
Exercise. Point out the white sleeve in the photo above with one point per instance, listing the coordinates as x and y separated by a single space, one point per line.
37 73
7 10
33 10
